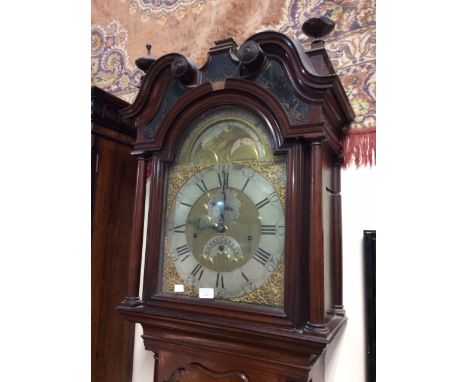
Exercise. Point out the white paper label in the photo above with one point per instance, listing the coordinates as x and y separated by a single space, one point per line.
206 293
178 288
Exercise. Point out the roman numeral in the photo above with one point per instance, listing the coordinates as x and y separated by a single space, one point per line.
262 203
245 184
179 228
198 269
268 229
273 197
244 276
219 280
183 250
261 256
202 186
186 204
223 179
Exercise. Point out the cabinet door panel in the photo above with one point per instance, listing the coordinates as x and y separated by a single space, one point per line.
113 195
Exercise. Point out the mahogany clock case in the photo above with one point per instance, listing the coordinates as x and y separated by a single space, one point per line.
304 108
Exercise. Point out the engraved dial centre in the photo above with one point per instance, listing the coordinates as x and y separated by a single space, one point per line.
219 226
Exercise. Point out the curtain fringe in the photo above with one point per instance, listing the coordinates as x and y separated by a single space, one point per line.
359 147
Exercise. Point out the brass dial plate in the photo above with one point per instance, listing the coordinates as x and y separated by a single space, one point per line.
225 225
270 291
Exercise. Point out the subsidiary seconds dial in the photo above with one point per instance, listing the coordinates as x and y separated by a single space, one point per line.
226 230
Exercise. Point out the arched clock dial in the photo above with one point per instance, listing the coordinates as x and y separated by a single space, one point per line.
238 162
226 230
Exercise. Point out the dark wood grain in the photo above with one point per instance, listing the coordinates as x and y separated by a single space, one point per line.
113 177
153 264
263 343
328 230
106 112
196 372
337 256
136 239
316 297
294 281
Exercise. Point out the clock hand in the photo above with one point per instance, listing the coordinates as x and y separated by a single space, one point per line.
224 186
221 227
206 223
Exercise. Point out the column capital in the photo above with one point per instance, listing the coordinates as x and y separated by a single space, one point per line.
131 302
317 142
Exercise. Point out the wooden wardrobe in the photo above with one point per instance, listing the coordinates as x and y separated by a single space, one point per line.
113 177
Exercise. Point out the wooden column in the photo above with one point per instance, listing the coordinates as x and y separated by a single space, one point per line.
136 240
337 255
316 310
295 231
153 281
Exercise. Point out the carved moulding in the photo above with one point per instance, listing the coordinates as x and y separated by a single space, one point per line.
196 372
317 100
285 342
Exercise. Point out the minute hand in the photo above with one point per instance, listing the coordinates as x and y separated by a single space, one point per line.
221 226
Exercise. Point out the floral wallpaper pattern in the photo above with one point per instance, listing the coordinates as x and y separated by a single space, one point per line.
110 66
121 29
351 46
162 9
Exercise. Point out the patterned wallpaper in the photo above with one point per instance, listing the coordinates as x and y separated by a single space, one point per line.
121 29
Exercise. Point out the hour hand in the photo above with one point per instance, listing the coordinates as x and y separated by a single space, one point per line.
221 227
205 223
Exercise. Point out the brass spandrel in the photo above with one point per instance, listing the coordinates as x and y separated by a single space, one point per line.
272 290
274 171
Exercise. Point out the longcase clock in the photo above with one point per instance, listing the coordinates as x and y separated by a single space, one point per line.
243 270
